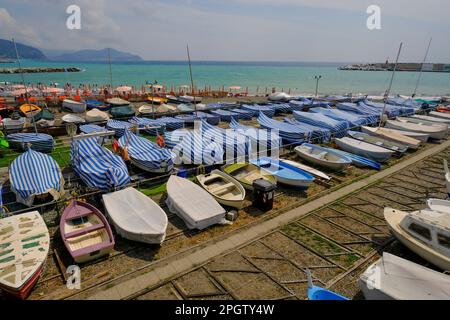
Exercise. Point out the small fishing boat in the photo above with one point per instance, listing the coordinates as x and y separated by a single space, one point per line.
394 278
439 205
423 137
124 112
190 99
147 109
47 119
157 100
29 110
25 244
323 157
16 124
285 173
95 104
135 216
185 107
40 142
116 102
246 173
119 127
193 204
224 188
392 135
71 118
35 175
74 106
96 115
360 161
321 294
439 120
381 142
436 114
435 132
85 232
364 149
424 232
301 166
422 122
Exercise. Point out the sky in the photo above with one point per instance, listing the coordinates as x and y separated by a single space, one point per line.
236 30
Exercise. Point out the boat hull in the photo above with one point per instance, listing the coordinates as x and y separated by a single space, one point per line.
334 166
360 149
74 106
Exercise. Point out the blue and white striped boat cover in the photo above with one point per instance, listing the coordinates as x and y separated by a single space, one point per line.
351 118
193 149
391 110
210 118
187 118
361 109
97 166
220 105
318 134
399 101
34 173
146 154
280 107
160 127
256 109
93 128
338 128
40 142
297 105
226 115
172 123
289 132
243 114
175 137
118 126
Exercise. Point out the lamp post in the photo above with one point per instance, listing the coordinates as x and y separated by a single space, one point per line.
317 83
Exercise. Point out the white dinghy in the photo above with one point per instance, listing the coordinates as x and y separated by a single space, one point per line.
301 166
74 106
135 216
392 277
323 157
439 115
439 205
364 149
442 121
392 135
96 115
71 118
193 204
436 132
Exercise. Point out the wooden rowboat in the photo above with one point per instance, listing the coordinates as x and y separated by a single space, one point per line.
323 157
246 173
393 135
29 110
85 232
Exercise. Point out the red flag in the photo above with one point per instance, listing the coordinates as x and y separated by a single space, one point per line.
115 145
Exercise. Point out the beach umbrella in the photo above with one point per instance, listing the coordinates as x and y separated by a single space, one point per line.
234 88
124 89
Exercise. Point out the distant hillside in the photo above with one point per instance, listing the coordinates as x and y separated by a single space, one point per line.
97 55
7 51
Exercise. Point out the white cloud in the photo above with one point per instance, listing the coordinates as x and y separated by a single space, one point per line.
10 28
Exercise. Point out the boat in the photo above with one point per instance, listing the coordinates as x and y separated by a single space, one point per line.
157 100
146 109
122 112
116 102
257 109
359 161
10 124
47 119
171 123
285 173
71 118
25 244
146 154
338 128
97 166
192 148
3 142
29 110
290 133
279 96
424 232
439 205
95 104
323 157
301 166
438 120
40 142
316 293
226 115
394 278
193 204
185 107
85 232
364 149
436 114
246 173
96 115
377 141
135 216
151 126
435 132
224 188
190 99
392 135
119 127
35 175
447 176
423 122
74 106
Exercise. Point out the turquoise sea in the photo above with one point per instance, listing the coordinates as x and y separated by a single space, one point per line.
297 76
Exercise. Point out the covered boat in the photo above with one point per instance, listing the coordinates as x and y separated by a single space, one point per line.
37 141
10 124
85 232
290 133
435 132
25 243
171 123
34 174
257 109
96 115
394 278
246 173
29 110
119 127
391 135
71 118
95 104
353 119
74 106
439 120
359 161
364 149
226 115
424 232
243 114
317 134
116 102
224 188
135 216
151 126
323 157
191 148
147 155
313 171
381 142
193 204
97 166
122 112
338 128
210 118
285 173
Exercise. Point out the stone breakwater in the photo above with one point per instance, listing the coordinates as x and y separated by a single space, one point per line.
414 67
38 70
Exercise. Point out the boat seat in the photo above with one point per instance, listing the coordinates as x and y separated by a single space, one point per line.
90 249
85 231
222 189
322 155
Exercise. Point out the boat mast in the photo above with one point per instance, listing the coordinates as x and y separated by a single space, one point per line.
24 85
421 69
110 70
192 79
386 95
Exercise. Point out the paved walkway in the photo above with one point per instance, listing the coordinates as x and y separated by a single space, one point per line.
195 258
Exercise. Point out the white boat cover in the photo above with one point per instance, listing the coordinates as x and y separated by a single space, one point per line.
135 216
400 279
193 204
71 118
96 115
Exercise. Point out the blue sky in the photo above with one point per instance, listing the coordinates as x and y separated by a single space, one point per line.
255 30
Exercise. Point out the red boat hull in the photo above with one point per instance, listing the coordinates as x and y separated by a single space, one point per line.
25 290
